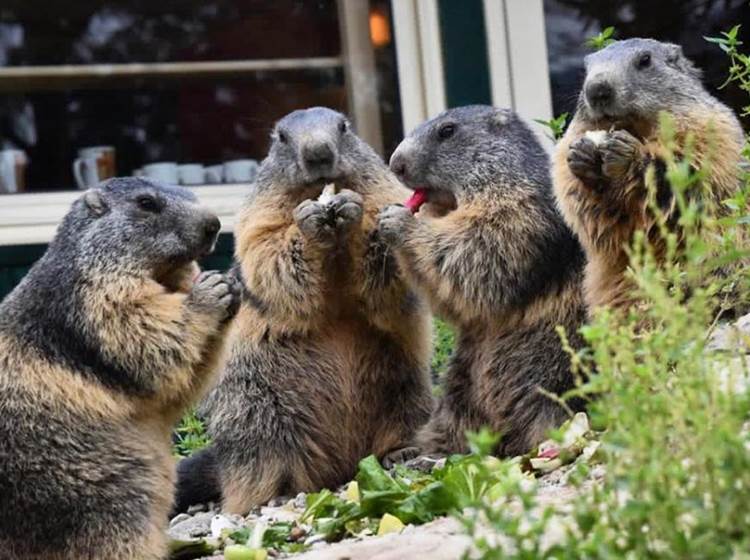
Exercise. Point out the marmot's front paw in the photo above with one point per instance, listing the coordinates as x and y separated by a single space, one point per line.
346 208
393 223
585 161
214 292
312 218
619 152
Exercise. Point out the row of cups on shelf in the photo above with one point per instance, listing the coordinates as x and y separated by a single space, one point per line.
96 163
235 171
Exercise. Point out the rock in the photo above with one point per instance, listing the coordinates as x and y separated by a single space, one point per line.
179 518
442 539
220 523
197 508
198 525
300 501
732 337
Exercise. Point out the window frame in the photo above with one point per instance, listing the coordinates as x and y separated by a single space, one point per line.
32 218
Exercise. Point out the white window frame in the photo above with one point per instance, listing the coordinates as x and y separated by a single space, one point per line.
517 54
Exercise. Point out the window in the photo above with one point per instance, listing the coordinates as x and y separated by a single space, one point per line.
183 81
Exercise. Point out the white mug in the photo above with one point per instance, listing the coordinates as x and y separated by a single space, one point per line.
240 171
163 171
191 174
93 165
214 175
13 170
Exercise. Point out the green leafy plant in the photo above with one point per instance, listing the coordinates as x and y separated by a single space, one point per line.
190 435
602 39
444 342
739 67
676 480
556 126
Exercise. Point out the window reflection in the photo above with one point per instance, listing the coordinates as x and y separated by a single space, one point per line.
570 22
182 111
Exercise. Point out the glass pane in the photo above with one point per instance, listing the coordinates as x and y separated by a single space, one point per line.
178 112
569 22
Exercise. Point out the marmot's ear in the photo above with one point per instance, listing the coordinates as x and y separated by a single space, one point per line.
95 202
677 59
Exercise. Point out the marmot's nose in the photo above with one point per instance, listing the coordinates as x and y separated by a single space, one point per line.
398 166
600 94
211 226
318 155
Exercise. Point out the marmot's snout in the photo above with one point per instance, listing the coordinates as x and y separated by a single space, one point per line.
211 227
318 159
600 94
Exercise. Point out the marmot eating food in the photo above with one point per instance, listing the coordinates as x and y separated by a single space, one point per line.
102 346
492 254
601 163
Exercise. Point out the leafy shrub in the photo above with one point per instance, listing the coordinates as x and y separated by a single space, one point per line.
677 441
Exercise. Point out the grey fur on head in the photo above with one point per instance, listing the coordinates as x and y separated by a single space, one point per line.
139 222
312 146
638 77
468 148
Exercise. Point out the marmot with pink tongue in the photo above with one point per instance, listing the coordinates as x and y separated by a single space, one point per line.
492 254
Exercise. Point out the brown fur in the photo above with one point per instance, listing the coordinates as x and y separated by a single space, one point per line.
606 215
499 265
330 351
87 457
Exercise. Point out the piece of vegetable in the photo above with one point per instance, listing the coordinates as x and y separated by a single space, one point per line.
240 552
352 491
389 524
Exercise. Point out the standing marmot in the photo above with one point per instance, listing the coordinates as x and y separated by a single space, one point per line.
330 351
600 183
102 346
495 258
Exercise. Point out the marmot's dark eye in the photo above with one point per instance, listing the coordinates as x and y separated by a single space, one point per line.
446 131
342 127
644 61
282 137
147 203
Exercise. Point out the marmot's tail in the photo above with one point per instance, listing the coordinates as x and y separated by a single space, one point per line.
197 480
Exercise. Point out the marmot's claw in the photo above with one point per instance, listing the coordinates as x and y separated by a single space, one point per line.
215 292
585 161
347 208
312 218
393 222
619 152
398 456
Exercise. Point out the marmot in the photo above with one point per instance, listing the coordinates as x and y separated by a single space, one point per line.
599 177
330 351
495 258
102 346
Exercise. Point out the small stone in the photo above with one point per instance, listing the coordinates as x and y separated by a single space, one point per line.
179 519
300 501
196 508
314 539
296 533
197 526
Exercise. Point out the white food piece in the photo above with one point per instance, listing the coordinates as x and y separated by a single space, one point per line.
596 136
327 195
219 523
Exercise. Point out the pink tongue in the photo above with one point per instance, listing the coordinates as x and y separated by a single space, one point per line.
416 200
